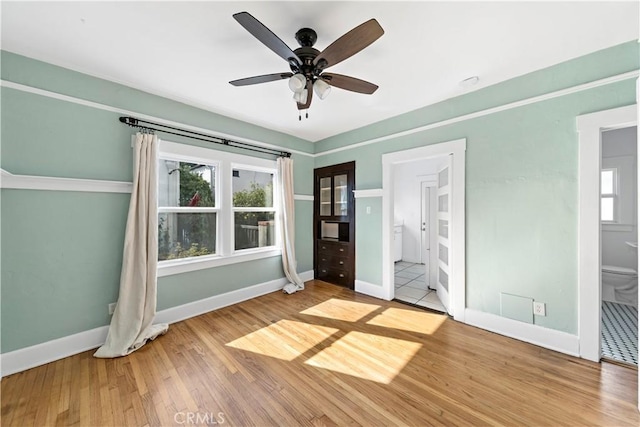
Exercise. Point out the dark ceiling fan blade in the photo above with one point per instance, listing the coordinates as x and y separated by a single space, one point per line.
349 44
309 96
349 83
266 36
261 79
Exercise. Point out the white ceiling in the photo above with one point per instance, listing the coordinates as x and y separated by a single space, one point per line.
189 51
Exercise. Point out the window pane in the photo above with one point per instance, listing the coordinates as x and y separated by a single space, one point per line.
182 235
606 209
443 278
443 178
185 184
443 203
254 229
252 189
443 253
325 196
443 228
606 181
340 195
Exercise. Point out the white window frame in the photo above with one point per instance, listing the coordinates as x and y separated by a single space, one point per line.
613 195
225 162
193 209
246 167
626 185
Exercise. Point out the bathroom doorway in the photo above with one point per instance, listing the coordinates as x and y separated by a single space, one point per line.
590 127
619 245
393 166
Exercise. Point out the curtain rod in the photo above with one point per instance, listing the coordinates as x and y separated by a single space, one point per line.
142 124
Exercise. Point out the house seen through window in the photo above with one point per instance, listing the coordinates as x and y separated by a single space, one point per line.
187 210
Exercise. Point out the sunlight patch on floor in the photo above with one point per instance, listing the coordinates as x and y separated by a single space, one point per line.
367 356
285 339
339 309
409 320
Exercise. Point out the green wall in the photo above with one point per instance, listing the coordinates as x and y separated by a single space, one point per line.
521 180
62 251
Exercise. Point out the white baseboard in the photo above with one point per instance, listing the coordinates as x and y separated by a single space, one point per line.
370 289
196 308
306 275
50 351
544 337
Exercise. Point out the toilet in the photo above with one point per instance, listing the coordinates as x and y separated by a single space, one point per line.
622 281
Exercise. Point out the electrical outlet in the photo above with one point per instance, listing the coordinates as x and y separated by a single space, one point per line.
539 308
112 307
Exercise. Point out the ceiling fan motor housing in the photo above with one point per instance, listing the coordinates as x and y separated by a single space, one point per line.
306 54
306 37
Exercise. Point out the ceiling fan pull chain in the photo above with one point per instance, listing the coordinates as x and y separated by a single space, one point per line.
307 114
299 117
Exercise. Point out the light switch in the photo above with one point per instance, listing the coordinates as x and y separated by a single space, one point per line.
368 210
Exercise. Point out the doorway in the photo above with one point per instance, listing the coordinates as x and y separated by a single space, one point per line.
590 128
415 214
619 245
393 165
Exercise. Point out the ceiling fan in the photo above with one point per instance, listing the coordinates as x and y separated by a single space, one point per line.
307 64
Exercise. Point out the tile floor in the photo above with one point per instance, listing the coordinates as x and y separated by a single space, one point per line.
620 332
411 286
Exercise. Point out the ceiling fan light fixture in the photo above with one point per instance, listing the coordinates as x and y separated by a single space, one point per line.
321 88
301 96
297 83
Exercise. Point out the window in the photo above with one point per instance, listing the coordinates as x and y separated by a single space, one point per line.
187 212
253 209
608 195
214 208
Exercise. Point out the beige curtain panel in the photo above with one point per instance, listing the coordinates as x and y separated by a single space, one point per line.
132 322
288 225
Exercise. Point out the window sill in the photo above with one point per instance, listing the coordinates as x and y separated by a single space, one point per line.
168 268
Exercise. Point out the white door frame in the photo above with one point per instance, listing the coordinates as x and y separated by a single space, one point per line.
457 283
590 127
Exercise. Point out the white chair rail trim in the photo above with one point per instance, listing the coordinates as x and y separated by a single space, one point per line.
48 183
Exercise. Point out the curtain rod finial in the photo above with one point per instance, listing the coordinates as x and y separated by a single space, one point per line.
129 121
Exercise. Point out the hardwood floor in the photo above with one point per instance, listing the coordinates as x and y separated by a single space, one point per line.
324 356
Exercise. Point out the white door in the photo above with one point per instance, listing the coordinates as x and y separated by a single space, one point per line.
443 249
